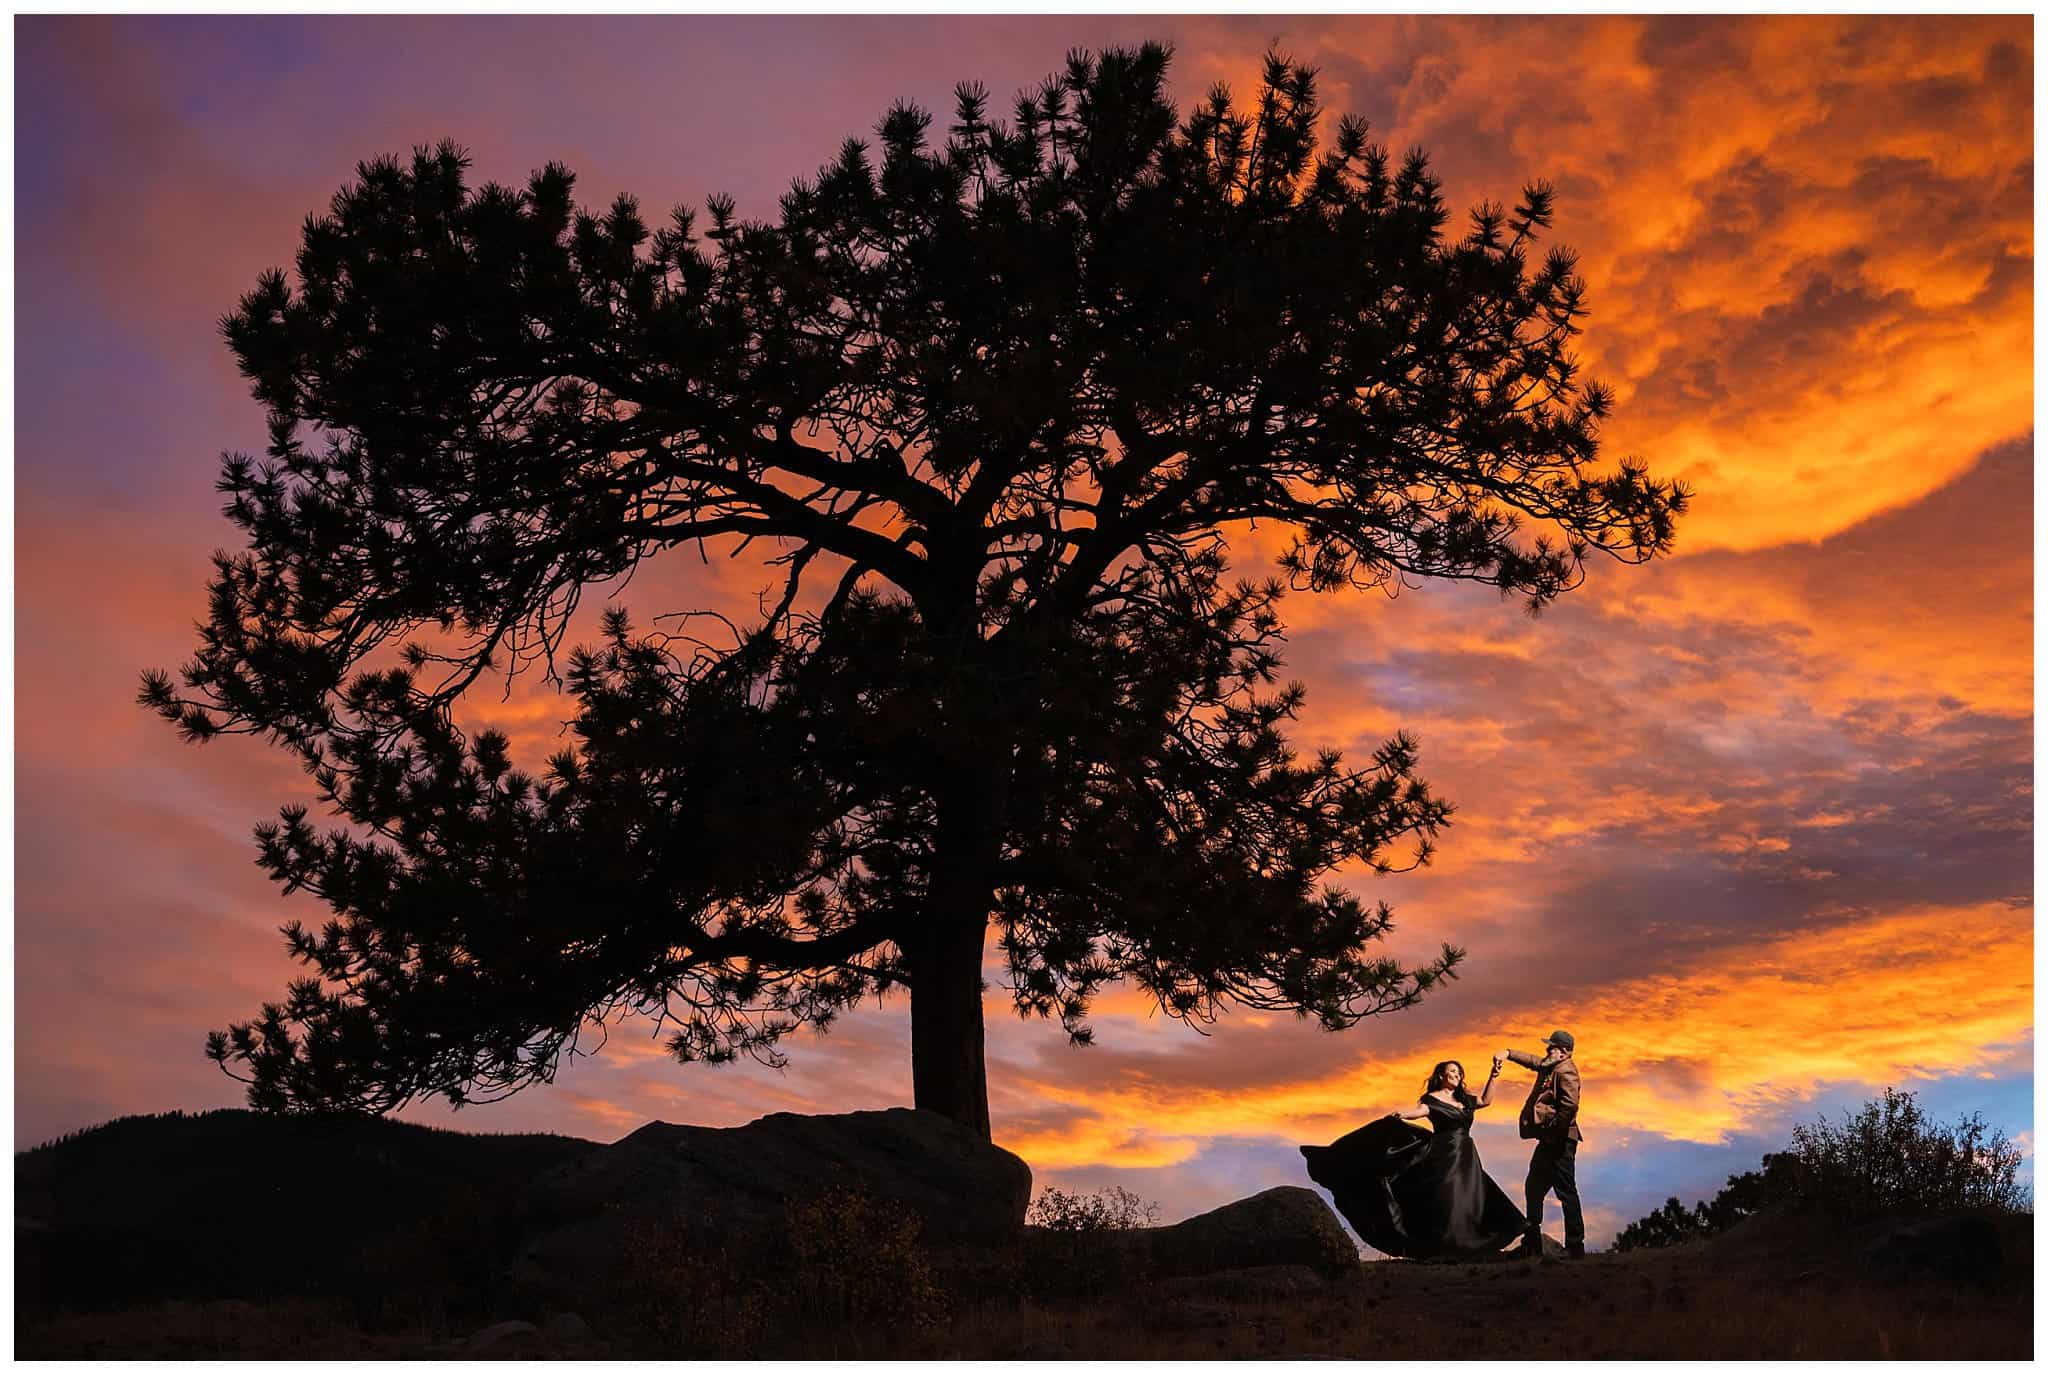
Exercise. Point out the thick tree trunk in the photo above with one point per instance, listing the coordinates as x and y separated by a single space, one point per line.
947 1071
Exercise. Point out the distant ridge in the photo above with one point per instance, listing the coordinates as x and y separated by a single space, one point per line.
239 1204
141 1121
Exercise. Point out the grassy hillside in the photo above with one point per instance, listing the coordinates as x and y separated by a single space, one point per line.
230 1235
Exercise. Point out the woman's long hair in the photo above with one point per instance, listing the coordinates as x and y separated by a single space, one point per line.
1437 1079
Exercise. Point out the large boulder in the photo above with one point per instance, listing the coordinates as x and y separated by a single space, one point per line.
733 1184
1282 1226
1286 1232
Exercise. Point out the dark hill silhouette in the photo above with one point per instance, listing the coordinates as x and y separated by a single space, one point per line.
238 1204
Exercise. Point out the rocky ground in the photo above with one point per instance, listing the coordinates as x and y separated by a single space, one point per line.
1759 1296
1743 1297
112 1267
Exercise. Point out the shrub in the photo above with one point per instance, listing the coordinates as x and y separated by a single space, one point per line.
858 1258
1085 1244
1781 1179
685 1298
836 1262
1672 1223
1887 1157
1107 1210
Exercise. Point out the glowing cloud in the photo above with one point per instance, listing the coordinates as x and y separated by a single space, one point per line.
1689 1055
1759 816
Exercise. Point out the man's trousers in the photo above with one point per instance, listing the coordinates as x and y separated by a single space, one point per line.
1554 1166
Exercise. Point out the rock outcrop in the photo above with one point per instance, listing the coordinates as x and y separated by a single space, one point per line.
734 1183
1285 1226
1288 1225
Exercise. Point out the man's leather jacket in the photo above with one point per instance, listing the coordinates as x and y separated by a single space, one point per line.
1551 1112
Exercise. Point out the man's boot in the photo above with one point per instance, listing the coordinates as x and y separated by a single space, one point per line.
1531 1247
1575 1250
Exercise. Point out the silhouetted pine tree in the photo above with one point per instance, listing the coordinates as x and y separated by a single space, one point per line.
1001 400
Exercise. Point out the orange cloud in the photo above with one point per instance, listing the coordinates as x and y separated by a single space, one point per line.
1691 1054
1809 252
1749 786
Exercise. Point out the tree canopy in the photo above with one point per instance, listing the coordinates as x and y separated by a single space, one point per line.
989 412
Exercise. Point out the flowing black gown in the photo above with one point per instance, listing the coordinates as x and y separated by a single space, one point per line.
1417 1193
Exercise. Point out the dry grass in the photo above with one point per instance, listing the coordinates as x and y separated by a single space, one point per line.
1757 1292
1603 1307
301 1329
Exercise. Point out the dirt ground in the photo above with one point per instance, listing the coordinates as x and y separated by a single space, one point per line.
1678 1304
1751 1296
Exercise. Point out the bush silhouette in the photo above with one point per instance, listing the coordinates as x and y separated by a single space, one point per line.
689 1297
1080 1248
836 1262
1887 1157
859 1258
1110 1209
1890 1157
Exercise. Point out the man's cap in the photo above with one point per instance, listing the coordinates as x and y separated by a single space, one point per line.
1560 1038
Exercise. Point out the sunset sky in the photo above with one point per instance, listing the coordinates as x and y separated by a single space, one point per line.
1755 823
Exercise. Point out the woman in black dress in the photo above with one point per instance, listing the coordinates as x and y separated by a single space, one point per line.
1417 1193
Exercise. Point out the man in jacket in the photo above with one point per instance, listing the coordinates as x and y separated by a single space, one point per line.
1550 1118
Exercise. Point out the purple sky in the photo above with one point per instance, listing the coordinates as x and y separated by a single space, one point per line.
1756 822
